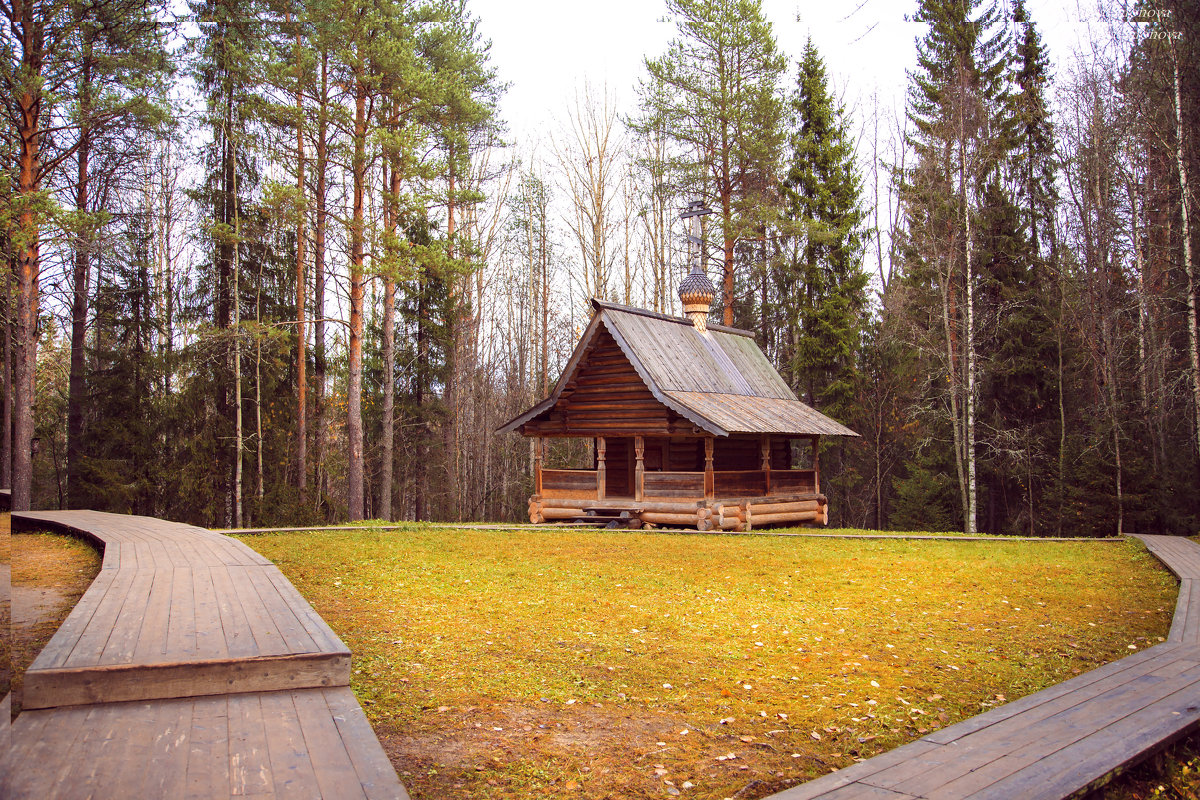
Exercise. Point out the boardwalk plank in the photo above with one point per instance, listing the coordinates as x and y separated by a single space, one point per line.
371 764
239 639
290 634
166 773
249 759
92 640
291 764
181 621
208 764
335 773
210 635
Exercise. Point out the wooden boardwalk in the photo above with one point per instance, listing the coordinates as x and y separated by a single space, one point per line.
1062 741
190 668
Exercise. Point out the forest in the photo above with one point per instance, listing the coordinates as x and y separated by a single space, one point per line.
274 262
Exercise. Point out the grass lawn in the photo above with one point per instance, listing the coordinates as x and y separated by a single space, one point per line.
559 663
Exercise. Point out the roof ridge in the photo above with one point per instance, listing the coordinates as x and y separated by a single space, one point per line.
645 312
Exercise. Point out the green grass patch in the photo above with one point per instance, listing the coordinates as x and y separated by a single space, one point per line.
559 663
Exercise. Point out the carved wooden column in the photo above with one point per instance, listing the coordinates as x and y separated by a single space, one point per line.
639 467
816 459
766 462
536 444
600 471
709 481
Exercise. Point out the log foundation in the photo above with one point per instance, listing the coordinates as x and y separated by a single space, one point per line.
737 514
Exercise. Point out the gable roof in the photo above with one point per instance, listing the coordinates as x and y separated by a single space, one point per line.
719 379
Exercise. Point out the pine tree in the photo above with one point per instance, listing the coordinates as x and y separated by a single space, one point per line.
715 93
121 63
226 57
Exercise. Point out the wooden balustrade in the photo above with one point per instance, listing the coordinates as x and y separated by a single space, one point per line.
579 483
587 484
674 484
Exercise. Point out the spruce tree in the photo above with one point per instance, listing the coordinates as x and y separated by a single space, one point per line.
825 283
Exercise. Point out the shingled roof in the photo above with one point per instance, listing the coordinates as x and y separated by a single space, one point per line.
719 379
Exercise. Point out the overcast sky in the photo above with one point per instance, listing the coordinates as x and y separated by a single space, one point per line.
547 48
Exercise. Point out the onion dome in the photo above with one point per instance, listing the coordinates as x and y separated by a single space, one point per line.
697 293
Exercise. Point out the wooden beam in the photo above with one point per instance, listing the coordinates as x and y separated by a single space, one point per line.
816 461
535 445
639 468
601 473
765 445
709 480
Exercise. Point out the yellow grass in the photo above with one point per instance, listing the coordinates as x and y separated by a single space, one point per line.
510 664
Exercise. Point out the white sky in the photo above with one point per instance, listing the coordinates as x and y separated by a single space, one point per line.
547 48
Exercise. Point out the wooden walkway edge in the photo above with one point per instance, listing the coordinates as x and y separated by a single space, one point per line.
1061 742
190 667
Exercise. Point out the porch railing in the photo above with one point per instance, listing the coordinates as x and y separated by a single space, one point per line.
584 483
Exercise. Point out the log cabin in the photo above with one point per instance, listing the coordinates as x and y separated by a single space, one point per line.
691 427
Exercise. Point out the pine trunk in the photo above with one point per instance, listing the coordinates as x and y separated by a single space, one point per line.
301 331
450 444
76 391
6 434
322 166
354 430
28 265
391 212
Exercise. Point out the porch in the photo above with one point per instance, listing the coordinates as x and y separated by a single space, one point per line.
632 484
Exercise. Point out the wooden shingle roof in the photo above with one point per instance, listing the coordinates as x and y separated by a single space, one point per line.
718 379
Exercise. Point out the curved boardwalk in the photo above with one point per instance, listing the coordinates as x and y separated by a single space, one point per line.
1062 741
191 667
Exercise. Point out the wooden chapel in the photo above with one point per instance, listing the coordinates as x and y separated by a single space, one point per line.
692 426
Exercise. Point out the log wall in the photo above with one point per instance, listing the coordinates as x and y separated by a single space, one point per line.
605 397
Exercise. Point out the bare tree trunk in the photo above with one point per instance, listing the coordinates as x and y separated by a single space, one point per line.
727 279
544 264
390 212
322 167
968 451
237 358
969 448
953 388
76 391
354 430
301 332
450 442
258 429
1188 265
167 185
